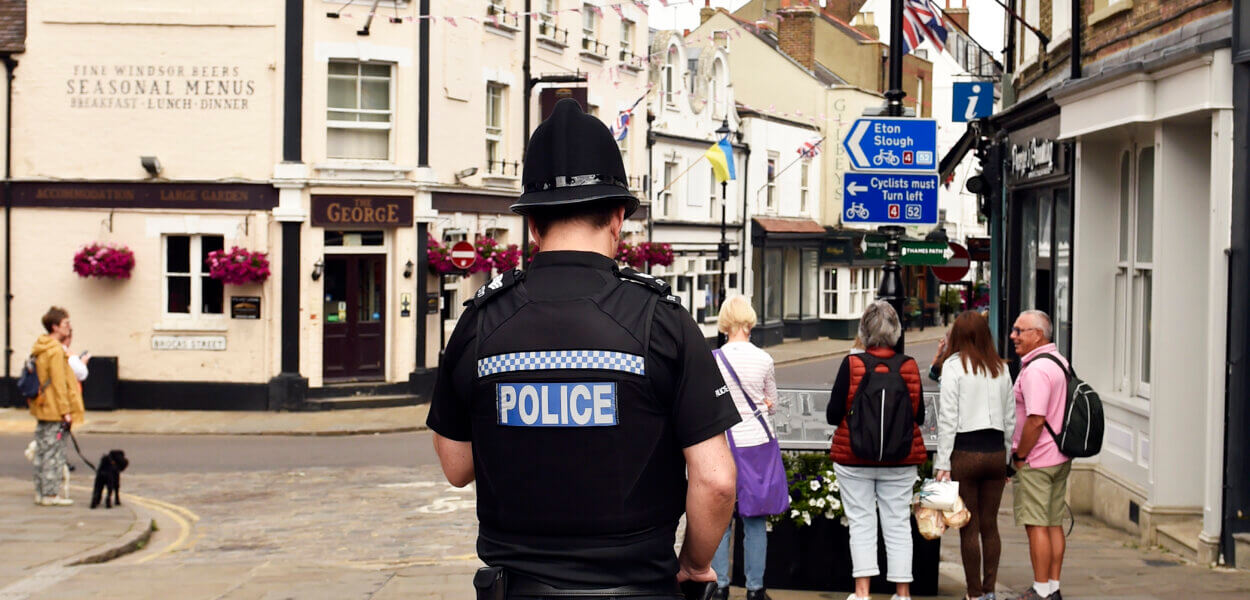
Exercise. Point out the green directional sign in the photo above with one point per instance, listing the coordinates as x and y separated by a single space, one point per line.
873 246
930 254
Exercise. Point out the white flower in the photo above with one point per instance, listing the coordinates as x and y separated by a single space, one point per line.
794 514
807 518
815 485
835 504
829 515
819 503
845 521
836 487
828 474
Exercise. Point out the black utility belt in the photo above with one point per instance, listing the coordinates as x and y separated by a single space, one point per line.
495 583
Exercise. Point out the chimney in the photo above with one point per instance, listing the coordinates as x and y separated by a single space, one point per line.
706 12
844 10
795 34
958 15
865 23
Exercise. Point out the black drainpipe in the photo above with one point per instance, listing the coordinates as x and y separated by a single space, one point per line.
423 91
742 246
288 389
10 65
1077 31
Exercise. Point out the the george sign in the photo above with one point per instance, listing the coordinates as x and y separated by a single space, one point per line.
362 211
463 255
837 250
956 267
927 254
893 144
245 307
189 342
187 196
873 246
972 100
903 199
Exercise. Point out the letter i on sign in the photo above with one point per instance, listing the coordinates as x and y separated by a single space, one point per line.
970 113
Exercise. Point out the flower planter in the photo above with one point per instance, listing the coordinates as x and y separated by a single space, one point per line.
818 557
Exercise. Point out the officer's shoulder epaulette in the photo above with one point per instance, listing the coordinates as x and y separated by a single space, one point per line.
655 284
496 285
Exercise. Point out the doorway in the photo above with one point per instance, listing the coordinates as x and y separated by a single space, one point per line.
354 344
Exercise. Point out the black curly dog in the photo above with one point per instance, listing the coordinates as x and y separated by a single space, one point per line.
108 478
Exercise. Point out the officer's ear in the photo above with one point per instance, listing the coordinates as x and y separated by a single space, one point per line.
535 236
618 222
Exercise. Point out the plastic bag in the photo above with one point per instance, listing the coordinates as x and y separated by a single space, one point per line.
958 516
930 522
940 495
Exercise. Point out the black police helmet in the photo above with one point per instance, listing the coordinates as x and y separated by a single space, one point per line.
572 158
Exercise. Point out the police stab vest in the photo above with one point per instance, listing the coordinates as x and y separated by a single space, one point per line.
569 436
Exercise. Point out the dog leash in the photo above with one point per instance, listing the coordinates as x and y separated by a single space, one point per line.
77 449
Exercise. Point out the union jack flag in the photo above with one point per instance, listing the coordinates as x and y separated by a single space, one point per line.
809 149
922 20
621 126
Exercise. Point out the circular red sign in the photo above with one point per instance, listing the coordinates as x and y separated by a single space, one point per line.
956 268
463 255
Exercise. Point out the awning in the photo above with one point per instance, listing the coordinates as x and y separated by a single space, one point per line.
776 225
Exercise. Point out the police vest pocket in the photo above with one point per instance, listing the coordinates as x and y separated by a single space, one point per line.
556 404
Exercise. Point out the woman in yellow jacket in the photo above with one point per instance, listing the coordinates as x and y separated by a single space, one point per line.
58 405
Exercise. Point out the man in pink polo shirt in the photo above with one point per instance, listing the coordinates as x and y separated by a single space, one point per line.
1041 481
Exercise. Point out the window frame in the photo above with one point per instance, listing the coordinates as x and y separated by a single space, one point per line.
590 24
358 125
495 138
770 174
627 36
1134 276
804 185
827 293
666 196
198 271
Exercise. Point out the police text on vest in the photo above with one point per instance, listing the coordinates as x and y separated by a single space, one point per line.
556 404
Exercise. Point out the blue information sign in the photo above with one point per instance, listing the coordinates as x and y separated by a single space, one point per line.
894 198
893 144
972 100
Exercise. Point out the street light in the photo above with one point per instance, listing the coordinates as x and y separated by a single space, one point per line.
722 251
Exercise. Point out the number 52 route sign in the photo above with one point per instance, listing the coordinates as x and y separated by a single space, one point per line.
893 198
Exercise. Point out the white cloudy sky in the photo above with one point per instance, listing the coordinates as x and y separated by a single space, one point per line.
986 16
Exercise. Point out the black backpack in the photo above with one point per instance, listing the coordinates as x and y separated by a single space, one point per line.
1081 435
881 422
28 384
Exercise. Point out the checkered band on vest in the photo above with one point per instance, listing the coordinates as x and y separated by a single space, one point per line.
561 359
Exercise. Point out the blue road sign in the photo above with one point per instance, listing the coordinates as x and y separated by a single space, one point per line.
972 100
893 198
893 144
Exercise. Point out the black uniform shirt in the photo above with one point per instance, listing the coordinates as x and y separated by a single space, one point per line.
679 366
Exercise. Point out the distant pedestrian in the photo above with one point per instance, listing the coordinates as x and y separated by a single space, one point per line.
877 406
976 421
1041 480
751 377
57 407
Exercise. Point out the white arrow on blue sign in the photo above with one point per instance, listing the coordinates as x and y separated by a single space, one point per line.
893 198
893 144
972 100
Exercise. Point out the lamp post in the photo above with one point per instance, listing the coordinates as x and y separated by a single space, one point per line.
722 250
892 289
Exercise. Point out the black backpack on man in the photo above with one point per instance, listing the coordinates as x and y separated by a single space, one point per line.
1081 434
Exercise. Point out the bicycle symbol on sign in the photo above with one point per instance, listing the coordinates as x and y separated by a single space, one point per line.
886 157
857 211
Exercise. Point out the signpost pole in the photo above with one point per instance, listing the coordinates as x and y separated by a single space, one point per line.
894 96
722 253
891 289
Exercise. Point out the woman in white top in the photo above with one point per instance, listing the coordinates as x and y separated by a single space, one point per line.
754 368
976 420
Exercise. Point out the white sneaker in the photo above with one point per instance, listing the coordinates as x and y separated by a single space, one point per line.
56 501
898 597
39 499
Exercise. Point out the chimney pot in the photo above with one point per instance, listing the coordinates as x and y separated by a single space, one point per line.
795 33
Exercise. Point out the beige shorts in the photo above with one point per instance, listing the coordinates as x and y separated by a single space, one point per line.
1040 495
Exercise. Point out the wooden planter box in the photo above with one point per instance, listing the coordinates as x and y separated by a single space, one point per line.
818 557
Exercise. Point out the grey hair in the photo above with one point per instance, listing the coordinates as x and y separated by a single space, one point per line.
879 325
1044 319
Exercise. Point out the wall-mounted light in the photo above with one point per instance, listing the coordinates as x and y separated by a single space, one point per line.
462 173
151 164
408 269
318 267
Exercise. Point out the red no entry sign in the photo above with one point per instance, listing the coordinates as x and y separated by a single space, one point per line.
956 268
463 255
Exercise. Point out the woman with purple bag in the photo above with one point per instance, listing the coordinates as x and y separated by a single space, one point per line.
762 487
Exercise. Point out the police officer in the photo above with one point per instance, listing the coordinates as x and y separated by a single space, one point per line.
583 399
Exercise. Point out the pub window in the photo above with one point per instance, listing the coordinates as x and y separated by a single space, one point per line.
1134 279
188 288
494 126
354 238
358 110
829 292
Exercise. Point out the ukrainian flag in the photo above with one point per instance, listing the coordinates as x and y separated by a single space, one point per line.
721 156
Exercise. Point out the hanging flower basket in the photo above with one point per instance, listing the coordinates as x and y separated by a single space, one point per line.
644 255
238 266
438 256
107 261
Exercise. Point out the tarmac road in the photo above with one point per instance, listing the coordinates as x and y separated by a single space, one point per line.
213 453
819 373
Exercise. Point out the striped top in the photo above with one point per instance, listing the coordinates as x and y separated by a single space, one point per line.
755 368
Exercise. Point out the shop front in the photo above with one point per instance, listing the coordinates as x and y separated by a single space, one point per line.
786 267
850 272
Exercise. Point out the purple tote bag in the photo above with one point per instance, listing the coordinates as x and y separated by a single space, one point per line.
762 486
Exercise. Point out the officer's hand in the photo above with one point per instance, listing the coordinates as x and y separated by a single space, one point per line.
688 573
